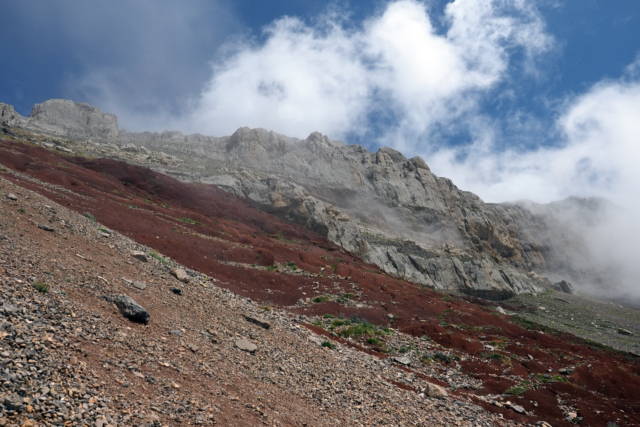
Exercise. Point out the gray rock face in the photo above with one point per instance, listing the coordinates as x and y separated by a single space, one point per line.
65 118
389 210
129 308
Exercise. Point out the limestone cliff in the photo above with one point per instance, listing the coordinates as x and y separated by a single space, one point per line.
388 209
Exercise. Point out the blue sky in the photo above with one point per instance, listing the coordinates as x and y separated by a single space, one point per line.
509 98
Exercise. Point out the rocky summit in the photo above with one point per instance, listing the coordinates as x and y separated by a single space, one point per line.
390 210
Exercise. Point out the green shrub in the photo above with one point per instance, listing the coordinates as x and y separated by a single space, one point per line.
441 357
42 287
359 330
91 217
329 316
321 298
373 341
329 345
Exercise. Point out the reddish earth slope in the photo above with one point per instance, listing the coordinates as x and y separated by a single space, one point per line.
227 238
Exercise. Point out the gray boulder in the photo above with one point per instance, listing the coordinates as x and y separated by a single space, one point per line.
129 308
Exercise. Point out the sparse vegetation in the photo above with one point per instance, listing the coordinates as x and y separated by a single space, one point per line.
159 257
329 345
321 298
190 221
89 216
41 287
518 389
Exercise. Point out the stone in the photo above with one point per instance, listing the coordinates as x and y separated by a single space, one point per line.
566 287
140 256
530 357
139 285
176 291
46 227
177 332
500 310
622 331
433 390
180 274
245 345
258 321
12 196
390 316
519 409
129 308
316 340
9 309
403 360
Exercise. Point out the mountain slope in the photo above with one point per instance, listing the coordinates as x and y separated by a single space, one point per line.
389 210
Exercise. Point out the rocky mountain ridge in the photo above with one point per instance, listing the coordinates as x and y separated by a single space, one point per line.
386 208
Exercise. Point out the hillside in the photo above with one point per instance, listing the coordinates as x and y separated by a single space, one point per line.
398 347
385 208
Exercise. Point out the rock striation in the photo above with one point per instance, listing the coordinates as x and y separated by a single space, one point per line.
388 209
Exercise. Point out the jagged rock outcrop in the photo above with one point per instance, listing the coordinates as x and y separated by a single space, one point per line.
64 118
388 209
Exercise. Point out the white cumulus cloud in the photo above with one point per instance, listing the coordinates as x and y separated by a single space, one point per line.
334 77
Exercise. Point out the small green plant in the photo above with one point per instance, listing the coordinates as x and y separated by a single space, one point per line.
338 323
190 221
425 338
273 268
159 257
334 267
442 358
292 265
42 287
265 308
373 341
21 210
329 345
518 389
317 323
329 316
321 298
359 330
131 206
91 217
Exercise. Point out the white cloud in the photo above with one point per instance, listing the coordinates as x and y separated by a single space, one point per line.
330 77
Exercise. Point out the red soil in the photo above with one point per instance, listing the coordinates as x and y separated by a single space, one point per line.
148 206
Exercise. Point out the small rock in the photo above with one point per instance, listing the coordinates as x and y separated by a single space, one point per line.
129 308
562 371
12 196
140 256
46 227
180 274
517 408
403 360
530 357
139 285
541 308
258 321
245 345
390 316
436 391
561 300
177 332
176 291
501 310
624 332
30 423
